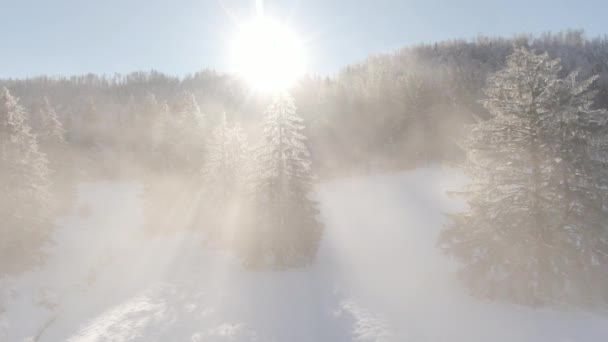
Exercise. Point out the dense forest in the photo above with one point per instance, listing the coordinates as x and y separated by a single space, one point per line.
390 111
207 140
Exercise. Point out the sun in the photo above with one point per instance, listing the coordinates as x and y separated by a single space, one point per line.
268 55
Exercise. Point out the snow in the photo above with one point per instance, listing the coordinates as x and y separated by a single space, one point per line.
378 277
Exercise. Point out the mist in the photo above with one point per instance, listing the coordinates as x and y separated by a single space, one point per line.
450 191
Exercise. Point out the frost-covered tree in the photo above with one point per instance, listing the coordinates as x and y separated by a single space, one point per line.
536 220
51 135
224 179
578 187
187 134
285 232
160 138
51 132
187 111
226 164
24 183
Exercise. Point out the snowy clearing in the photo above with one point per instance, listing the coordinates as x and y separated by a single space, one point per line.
378 277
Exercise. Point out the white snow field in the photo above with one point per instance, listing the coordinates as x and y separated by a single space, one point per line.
379 277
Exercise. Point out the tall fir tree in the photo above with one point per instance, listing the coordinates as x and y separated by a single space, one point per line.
536 213
224 180
578 187
226 163
52 135
187 132
24 184
286 231
160 138
52 132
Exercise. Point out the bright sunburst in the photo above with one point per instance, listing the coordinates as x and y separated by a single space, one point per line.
268 55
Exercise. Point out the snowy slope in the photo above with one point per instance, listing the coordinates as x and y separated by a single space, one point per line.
379 277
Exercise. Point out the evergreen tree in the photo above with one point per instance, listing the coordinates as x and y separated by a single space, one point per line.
51 135
188 112
161 137
286 231
224 178
226 163
578 188
187 133
24 184
52 140
520 239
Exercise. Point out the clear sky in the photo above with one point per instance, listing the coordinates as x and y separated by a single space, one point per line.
66 37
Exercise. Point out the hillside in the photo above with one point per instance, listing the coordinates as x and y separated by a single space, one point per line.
392 110
378 277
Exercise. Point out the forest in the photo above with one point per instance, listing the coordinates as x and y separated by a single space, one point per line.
523 117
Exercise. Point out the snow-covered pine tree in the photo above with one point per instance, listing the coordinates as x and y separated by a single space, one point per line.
578 187
285 232
188 111
224 179
187 133
160 138
226 164
518 240
51 134
24 184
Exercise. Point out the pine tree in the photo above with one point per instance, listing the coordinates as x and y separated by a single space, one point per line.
160 137
518 240
51 135
187 133
224 178
188 112
286 231
226 162
578 188
24 184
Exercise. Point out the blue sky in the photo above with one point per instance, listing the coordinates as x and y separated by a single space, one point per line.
66 37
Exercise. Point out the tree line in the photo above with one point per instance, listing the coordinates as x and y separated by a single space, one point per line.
267 186
391 111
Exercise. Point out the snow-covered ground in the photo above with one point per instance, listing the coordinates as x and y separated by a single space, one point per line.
379 277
